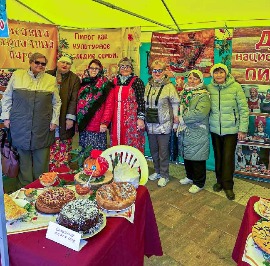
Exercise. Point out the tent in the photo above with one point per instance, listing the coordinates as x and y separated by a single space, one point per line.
150 15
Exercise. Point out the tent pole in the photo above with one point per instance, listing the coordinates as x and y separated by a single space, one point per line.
132 14
34 11
163 1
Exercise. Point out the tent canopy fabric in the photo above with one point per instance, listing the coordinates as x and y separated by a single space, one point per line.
150 15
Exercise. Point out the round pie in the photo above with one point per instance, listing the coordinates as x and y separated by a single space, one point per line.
52 200
261 235
116 196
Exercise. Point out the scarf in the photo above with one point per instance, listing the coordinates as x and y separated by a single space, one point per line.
187 94
91 96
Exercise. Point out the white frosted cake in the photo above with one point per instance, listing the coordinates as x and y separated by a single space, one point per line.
124 173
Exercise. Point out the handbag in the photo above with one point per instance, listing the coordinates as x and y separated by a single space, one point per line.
9 157
152 115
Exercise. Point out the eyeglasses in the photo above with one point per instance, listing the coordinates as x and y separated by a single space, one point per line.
125 67
94 68
40 63
157 71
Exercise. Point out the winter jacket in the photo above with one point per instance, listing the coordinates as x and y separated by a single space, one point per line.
32 104
69 88
229 109
167 105
196 134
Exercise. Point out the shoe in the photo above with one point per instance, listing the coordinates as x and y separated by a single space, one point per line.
154 176
217 187
186 181
194 189
230 194
162 182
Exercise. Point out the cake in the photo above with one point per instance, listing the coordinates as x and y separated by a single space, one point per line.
79 215
124 173
261 235
116 196
52 200
264 208
12 210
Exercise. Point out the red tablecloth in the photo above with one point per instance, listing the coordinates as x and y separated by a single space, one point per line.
119 243
249 219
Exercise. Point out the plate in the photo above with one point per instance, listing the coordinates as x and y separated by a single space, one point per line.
95 230
106 210
256 209
131 156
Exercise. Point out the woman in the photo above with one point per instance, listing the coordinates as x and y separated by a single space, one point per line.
194 130
129 108
162 103
95 107
229 118
68 85
30 108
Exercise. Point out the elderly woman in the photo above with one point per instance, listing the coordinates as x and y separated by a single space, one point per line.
128 119
68 85
229 119
30 108
162 102
95 107
194 130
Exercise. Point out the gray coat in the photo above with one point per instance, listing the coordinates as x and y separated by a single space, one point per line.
196 135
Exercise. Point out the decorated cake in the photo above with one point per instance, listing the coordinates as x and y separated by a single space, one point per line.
52 200
116 196
96 168
261 235
79 215
124 173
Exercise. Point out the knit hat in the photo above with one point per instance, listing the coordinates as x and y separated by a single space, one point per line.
65 59
219 65
198 72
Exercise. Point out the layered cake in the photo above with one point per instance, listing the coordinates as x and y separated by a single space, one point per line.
124 173
116 196
52 200
79 215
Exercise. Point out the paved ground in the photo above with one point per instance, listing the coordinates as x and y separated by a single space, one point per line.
198 229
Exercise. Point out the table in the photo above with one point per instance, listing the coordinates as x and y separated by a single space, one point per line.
119 243
249 219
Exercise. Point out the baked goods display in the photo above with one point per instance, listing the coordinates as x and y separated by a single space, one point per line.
264 208
79 215
52 200
116 196
261 235
124 173
48 179
12 210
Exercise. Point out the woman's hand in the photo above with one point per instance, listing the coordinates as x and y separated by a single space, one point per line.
103 128
7 123
140 124
53 127
69 124
242 135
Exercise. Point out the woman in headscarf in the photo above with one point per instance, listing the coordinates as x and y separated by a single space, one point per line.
95 107
194 130
128 118
229 118
162 102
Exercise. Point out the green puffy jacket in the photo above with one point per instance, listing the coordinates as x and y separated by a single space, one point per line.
229 109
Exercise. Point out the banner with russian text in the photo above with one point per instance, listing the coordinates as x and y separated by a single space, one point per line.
106 45
251 55
3 20
26 39
184 51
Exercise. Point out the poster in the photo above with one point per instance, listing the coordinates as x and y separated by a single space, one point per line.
183 52
106 45
250 55
24 40
4 33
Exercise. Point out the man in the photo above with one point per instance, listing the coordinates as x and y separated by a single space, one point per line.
30 108
68 85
